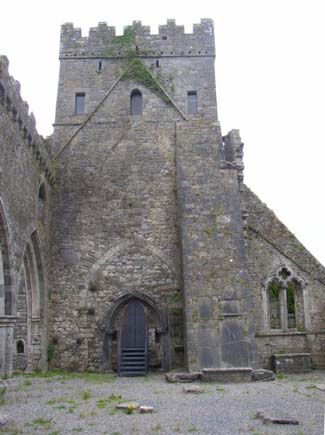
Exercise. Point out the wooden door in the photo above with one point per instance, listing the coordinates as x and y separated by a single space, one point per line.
135 325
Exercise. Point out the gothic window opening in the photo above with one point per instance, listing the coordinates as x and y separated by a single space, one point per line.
191 102
80 103
285 302
20 347
274 291
291 305
136 103
41 202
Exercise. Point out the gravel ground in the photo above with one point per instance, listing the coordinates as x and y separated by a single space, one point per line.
67 404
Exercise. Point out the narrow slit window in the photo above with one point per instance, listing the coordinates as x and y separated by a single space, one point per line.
136 102
191 102
99 66
80 103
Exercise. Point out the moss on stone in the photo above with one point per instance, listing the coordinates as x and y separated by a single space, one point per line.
138 72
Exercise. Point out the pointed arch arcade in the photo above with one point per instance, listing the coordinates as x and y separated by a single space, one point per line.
31 309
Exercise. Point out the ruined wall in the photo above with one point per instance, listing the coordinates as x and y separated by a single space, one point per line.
24 166
115 223
271 246
220 328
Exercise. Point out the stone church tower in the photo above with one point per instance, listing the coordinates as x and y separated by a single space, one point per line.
148 251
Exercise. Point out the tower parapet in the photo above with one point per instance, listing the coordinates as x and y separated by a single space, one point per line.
18 110
171 40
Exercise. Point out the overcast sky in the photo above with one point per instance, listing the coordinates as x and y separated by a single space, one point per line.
270 73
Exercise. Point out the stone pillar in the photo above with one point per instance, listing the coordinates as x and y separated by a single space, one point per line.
220 330
2 287
36 335
7 324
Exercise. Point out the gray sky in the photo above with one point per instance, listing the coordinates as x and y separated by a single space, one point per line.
270 73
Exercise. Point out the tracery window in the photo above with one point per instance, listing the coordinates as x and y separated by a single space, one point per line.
285 301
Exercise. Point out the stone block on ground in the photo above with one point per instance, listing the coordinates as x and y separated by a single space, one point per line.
146 409
291 362
320 387
262 375
275 420
223 375
4 419
194 389
183 377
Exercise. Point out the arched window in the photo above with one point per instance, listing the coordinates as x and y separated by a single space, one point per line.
20 347
41 202
285 301
274 292
42 192
136 102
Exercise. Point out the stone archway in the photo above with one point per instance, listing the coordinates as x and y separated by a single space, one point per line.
7 299
31 327
156 319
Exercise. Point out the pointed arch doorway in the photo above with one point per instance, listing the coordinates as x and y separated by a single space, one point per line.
133 348
133 320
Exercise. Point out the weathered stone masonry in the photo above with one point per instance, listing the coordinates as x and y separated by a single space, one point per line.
137 197
25 177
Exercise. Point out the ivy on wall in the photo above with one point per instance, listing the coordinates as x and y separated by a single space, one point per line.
136 69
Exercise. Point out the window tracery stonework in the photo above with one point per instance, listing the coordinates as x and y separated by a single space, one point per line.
285 302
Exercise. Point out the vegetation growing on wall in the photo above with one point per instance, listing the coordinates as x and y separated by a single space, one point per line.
138 72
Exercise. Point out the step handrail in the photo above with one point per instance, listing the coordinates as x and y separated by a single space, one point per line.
146 349
119 349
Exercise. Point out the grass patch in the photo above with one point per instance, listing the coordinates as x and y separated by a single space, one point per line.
220 389
310 387
281 377
102 403
3 389
89 377
112 399
192 429
63 403
45 423
85 395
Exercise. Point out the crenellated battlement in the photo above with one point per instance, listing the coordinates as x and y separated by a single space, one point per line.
18 111
171 40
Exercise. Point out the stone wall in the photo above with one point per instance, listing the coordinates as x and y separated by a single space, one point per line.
149 207
115 224
219 326
25 166
271 247
171 41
